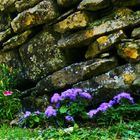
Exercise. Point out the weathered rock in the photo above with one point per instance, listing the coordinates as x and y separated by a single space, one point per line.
130 51
136 33
72 74
67 3
104 87
16 40
5 20
41 56
124 3
77 20
11 58
35 103
43 12
84 37
5 34
4 4
104 43
93 5
21 5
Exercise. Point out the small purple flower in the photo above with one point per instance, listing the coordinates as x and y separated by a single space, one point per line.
69 94
49 112
56 98
57 105
69 118
112 102
27 114
103 107
93 112
85 95
37 112
125 95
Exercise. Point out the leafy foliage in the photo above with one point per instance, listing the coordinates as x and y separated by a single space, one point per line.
9 101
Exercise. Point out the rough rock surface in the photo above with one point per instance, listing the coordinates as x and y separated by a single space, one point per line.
43 12
73 74
41 56
104 43
104 87
77 20
93 5
22 5
130 51
16 40
79 38
136 33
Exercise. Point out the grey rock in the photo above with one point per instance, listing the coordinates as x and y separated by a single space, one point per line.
130 51
5 20
94 5
41 56
136 33
78 39
125 3
104 43
121 79
72 74
43 12
22 5
76 20
4 4
5 34
16 41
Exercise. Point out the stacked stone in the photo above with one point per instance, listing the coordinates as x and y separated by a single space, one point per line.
73 43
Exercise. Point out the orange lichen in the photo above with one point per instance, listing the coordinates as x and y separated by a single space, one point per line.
89 33
129 77
29 19
102 40
131 52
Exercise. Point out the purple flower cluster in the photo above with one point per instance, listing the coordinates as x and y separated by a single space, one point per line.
69 118
70 94
56 98
50 111
123 95
104 106
27 114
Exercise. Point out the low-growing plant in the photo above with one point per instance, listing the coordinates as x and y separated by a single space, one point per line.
9 101
64 109
71 107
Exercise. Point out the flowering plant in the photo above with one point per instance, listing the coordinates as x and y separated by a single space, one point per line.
65 108
9 101
72 105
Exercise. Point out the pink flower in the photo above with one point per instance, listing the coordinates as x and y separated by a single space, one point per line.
7 93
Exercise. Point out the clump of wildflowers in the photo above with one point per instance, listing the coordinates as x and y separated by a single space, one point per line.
104 106
27 114
56 98
50 111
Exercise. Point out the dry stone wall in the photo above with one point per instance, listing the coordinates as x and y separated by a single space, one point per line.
58 44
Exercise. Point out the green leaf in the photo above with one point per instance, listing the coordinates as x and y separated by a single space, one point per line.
63 109
36 119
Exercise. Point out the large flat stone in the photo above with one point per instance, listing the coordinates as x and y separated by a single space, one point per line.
122 79
22 5
78 39
94 5
72 74
43 12
104 43
41 56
